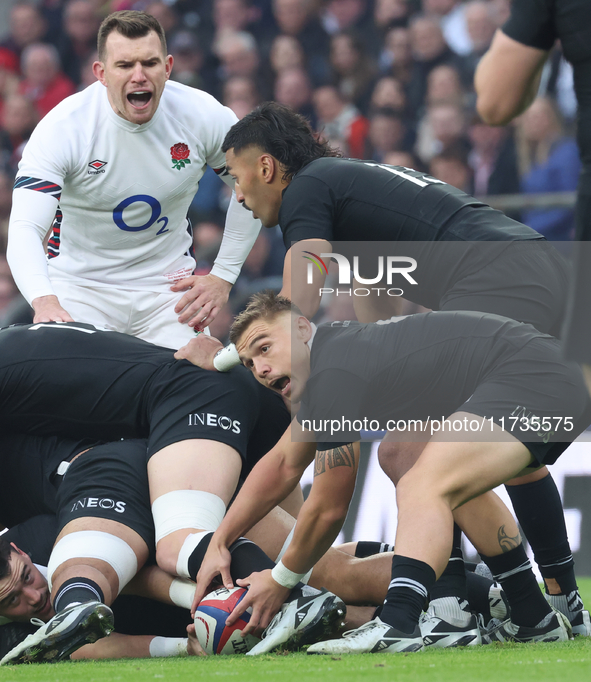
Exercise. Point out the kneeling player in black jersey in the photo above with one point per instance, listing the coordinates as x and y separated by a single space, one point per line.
467 256
517 404
105 533
73 380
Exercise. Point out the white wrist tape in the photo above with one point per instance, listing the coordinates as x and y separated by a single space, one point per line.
164 647
226 358
285 577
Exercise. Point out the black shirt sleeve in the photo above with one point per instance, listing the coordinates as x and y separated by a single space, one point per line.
531 23
308 211
331 407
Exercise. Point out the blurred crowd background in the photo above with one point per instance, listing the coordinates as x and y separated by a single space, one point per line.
389 80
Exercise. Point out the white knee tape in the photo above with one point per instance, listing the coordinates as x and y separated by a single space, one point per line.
189 545
282 551
183 509
94 544
182 592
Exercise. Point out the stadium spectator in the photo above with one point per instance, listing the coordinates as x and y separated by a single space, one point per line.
189 62
298 18
442 127
396 59
239 56
8 290
78 41
387 133
405 159
444 85
340 120
549 162
45 84
341 16
450 166
429 50
165 14
293 88
8 75
286 53
5 206
19 118
452 19
353 70
493 159
241 95
27 26
389 13
388 92
481 26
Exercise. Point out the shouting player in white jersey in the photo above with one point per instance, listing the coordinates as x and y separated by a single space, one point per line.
115 168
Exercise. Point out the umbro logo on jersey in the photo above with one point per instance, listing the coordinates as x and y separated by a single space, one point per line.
97 166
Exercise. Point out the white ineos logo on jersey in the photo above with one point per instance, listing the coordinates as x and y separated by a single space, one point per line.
209 419
99 503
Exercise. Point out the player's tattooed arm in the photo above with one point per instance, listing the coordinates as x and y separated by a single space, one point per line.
341 456
507 542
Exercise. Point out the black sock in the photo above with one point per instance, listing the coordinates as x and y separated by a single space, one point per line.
247 558
513 571
408 593
452 582
365 549
478 588
538 508
77 590
196 558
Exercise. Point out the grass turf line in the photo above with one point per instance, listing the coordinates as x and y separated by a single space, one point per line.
564 662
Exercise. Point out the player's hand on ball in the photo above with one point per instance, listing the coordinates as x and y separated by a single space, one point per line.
193 646
205 296
48 309
200 351
215 562
265 596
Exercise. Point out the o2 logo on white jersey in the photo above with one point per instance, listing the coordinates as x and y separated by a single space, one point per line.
152 202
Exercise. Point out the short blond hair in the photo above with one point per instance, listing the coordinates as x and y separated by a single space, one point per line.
265 305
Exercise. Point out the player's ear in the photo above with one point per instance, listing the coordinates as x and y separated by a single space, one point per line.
19 551
98 69
168 64
269 167
304 328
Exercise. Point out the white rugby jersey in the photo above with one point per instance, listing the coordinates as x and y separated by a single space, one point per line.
123 192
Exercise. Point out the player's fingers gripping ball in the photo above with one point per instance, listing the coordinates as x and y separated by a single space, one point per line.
210 623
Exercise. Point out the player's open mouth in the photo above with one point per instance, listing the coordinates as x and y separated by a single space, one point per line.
280 384
139 99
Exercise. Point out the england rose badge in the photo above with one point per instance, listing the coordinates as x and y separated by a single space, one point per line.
180 155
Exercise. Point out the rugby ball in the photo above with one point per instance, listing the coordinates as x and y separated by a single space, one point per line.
210 623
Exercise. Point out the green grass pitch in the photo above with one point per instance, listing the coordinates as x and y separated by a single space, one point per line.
566 662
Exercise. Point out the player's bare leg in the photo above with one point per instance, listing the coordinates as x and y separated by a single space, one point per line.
93 559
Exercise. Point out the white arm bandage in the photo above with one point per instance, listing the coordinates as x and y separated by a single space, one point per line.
240 233
31 217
